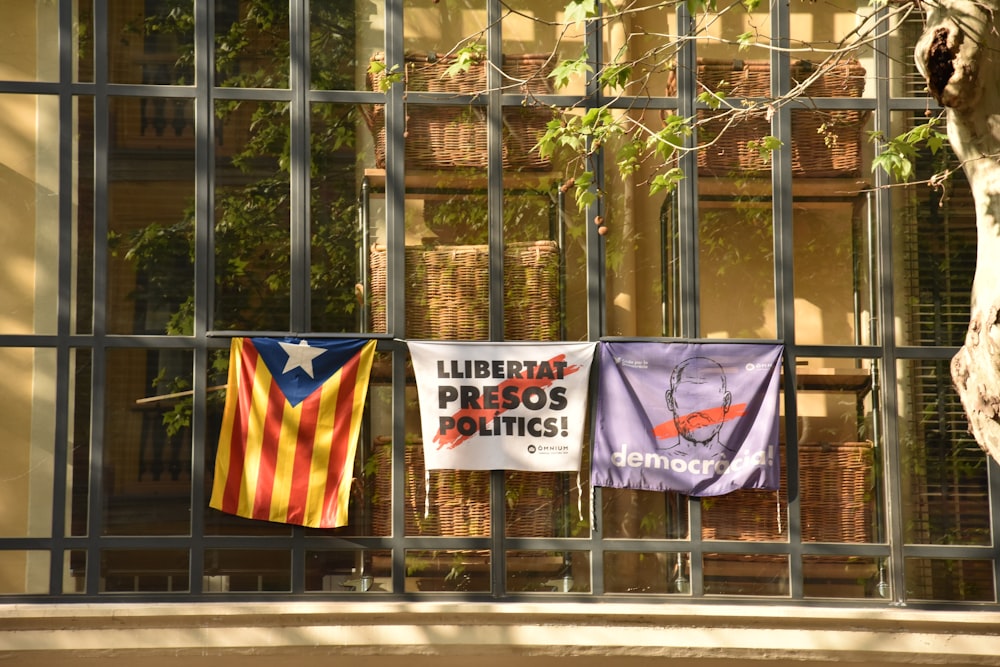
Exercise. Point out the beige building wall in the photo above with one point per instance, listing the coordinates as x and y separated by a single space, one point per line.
28 299
444 634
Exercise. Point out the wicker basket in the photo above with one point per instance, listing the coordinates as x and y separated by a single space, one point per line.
824 143
447 293
529 72
836 481
457 502
444 137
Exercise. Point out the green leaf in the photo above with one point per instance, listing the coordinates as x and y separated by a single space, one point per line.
567 69
583 194
666 142
696 6
897 154
465 58
710 99
935 143
667 181
580 10
627 157
615 76
765 146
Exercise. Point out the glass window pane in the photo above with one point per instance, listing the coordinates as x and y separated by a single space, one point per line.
644 514
934 250
29 208
720 32
647 572
338 302
645 39
545 504
448 571
28 24
844 577
247 571
338 32
544 258
151 216
747 515
636 228
833 233
840 470
78 474
252 214
74 572
449 503
28 432
371 499
745 574
430 26
944 472
537 268
151 41
83 36
950 579
252 43
548 572
349 571
145 571
736 257
906 27
819 31
147 452
83 216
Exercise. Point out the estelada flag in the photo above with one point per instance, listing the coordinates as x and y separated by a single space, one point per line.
290 429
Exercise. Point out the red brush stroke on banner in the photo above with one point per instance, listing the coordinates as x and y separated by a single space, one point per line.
452 438
714 416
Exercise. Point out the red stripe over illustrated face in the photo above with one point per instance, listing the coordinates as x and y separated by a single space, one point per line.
699 419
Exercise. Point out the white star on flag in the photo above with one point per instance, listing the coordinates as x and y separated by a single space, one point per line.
300 356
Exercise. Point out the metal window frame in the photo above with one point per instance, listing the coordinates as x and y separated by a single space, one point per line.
885 349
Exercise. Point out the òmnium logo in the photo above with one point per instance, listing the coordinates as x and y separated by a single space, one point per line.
759 366
548 449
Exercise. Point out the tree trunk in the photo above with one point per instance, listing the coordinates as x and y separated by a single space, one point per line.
956 55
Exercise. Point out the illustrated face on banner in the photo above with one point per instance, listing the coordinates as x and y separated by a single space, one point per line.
699 401
696 418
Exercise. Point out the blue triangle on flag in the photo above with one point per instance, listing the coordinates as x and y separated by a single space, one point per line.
320 357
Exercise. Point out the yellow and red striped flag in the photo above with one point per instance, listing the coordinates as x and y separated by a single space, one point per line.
290 429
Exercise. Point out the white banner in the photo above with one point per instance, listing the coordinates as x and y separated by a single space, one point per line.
502 406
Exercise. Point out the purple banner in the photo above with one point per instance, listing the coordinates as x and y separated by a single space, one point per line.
696 418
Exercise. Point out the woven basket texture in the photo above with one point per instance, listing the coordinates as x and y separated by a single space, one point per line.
825 143
837 504
457 502
442 137
526 73
447 295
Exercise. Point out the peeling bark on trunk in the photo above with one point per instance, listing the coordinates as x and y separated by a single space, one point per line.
957 54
